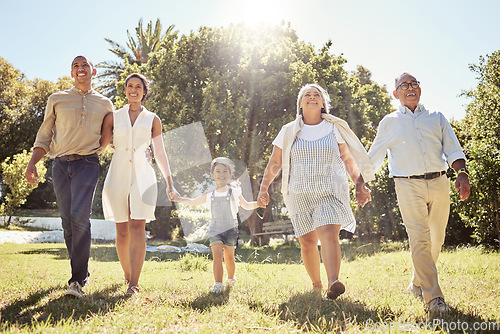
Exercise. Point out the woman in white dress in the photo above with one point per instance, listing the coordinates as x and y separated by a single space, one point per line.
130 189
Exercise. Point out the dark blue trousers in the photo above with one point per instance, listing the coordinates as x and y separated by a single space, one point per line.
74 184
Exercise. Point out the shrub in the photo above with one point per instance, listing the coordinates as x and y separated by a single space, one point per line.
13 176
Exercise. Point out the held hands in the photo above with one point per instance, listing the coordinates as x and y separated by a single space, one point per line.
263 199
462 184
363 195
173 195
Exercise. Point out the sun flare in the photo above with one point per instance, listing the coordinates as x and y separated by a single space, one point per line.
258 12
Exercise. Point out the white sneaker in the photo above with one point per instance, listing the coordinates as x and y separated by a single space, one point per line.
218 288
231 282
415 291
75 290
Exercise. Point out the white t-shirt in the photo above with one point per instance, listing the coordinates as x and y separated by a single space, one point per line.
235 193
311 132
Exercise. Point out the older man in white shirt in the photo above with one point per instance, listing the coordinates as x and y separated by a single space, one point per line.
420 145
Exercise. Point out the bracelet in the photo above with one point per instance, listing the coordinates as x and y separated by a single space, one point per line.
462 170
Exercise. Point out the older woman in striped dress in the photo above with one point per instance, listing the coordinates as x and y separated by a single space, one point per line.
315 152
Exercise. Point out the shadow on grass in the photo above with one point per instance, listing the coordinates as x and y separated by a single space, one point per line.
288 253
456 320
57 252
353 250
310 311
102 253
35 310
208 300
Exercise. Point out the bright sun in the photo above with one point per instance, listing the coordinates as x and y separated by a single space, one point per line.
255 12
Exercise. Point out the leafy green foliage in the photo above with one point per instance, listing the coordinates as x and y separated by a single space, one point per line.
22 107
13 176
380 219
242 83
189 262
480 131
147 40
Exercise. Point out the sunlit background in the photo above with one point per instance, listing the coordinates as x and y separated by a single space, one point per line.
434 40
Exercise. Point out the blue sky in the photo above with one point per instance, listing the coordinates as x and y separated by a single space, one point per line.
435 40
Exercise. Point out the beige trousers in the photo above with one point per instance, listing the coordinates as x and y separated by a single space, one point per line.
425 207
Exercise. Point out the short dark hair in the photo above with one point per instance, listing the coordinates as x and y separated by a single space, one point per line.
87 58
145 83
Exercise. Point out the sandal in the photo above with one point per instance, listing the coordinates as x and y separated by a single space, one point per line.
132 290
335 290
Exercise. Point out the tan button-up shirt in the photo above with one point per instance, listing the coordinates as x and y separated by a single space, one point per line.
72 123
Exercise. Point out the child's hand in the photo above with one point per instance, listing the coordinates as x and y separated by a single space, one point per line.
263 199
173 195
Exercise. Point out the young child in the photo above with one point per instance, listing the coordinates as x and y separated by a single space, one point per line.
223 229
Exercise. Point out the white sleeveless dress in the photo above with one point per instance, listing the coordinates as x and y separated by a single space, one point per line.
130 175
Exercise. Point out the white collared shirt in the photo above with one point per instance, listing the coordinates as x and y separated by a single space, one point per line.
416 142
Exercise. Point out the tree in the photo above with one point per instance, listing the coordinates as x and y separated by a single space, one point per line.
147 40
22 107
15 93
242 83
380 219
480 132
234 80
13 177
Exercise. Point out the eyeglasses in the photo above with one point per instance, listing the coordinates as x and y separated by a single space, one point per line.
405 85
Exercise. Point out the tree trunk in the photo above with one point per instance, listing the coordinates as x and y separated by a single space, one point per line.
255 226
5 221
497 220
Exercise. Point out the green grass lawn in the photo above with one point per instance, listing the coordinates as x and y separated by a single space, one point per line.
273 293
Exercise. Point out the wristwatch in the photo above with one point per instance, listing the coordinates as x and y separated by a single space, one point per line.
463 170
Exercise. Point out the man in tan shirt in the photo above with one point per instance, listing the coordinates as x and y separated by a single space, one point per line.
70 134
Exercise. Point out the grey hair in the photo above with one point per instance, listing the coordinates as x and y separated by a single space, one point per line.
396 81
324 96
